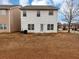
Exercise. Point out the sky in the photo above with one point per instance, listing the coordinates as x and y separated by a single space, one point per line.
31 2
57 3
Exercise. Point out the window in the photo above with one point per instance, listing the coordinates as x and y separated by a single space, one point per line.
38 13
30 26
50 12
3 26
3 12
24 13
50 27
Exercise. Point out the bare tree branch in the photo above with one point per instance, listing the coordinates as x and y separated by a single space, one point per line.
70 11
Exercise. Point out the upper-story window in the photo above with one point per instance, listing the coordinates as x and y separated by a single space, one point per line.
24 13
50 12
38 13
3 12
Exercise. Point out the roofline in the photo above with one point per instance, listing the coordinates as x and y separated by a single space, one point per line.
10 6
53 8
39 5
37 9
5 8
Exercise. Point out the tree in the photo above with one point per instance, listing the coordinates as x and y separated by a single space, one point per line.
70 10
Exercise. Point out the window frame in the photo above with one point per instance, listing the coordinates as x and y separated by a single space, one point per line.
50 26
3 26
30 26
24 13
50 12
38 13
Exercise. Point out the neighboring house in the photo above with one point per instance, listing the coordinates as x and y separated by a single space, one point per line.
39 19
9 18
73 26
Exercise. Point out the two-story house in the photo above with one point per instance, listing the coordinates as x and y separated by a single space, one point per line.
39 19
9 18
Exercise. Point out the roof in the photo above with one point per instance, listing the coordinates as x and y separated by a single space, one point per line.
39 8
7 7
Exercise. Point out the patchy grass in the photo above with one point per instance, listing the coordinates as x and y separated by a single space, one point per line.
39 46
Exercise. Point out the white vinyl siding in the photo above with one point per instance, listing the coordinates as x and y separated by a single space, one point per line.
3 12
44 19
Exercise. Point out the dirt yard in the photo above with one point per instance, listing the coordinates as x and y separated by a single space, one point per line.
39 46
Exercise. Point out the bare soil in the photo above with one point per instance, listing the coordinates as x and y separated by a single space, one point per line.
39 46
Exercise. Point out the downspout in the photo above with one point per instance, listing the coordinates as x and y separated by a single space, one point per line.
9 22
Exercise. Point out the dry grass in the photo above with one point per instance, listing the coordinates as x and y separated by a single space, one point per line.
39 46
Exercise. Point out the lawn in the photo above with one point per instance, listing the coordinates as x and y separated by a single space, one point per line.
39 46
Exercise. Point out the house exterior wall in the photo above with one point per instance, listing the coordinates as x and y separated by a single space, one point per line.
11 18
4 19
44 18
15 19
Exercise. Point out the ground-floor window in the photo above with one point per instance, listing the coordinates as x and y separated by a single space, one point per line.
50 26
3 26
30 26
